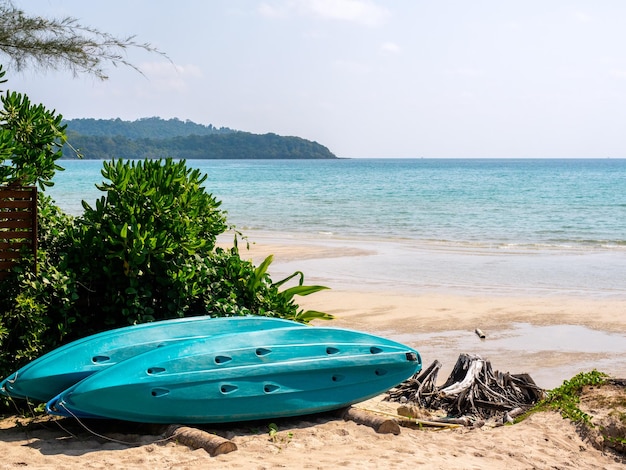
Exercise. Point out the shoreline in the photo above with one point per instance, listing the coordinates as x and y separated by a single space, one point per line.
552 334
412 266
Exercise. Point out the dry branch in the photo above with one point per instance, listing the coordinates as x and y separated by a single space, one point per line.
473 390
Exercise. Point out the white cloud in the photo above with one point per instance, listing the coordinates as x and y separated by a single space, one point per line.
467 72
582 17
160 69
351 67
617 73
359 11
390 47
364 12
164 76
273 11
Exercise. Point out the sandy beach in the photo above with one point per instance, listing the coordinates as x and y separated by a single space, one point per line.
520 336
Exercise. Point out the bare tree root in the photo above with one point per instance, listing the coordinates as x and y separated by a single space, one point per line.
472 390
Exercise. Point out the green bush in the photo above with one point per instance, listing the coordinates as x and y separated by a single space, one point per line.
31 138
145 251
565 399
139 248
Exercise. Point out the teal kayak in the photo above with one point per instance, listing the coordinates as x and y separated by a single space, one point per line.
61 368
243 376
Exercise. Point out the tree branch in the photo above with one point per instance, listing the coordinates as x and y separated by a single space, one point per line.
62 44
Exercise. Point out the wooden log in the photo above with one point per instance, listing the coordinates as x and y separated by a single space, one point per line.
198 439
509 417
380 424
480 333
473 371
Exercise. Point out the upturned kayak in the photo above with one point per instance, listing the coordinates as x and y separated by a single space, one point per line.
61 368
243 376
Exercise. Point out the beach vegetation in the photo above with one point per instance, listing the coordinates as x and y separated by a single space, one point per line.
596 404
276 437
31 138
566 398
145 250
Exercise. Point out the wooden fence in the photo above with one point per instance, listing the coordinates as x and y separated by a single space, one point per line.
18 225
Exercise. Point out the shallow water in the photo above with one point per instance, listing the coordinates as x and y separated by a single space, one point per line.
411 267
566 350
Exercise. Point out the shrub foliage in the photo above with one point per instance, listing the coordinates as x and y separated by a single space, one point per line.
145 251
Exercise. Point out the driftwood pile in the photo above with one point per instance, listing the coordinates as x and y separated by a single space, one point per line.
473 390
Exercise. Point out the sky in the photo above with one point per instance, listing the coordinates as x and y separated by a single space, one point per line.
365 78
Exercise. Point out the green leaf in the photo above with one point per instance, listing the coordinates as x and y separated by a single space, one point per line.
301 290
260 272
309 315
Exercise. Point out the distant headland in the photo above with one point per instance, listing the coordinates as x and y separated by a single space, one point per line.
160 138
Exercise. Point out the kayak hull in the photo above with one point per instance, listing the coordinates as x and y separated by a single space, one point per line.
243 376
49 375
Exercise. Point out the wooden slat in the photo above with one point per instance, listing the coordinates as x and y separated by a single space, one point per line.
17 192
11 235
6 265
18 225
10 255
15 204
13 244
15 223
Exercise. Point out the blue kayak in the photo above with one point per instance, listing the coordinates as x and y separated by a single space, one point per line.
61 368
244 376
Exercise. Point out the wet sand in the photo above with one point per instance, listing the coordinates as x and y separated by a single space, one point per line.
551 334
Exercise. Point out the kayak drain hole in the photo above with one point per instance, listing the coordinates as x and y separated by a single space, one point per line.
375 350
222 359
263 351
155 370
337 378
380 372
269 388
159 392
228 388
330 350
99 359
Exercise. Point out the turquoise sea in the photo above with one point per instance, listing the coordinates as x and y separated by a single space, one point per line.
498 226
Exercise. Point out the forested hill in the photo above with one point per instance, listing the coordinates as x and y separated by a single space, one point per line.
159 138
145 128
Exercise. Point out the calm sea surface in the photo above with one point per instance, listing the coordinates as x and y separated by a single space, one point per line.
503 226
